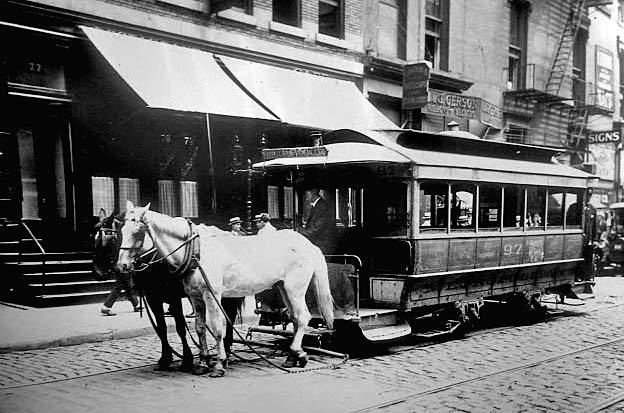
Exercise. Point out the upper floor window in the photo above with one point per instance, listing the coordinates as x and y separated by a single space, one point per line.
621 11
518 26
436 33
287 12
578 66
392 28
245 6
331 18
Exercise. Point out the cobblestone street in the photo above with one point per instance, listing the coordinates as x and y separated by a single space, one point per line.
571 362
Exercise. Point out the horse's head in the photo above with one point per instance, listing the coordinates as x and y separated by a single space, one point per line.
106 246
133 236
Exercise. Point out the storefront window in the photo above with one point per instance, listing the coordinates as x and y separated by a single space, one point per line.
489 207
167 198
188 199
103 194
433 207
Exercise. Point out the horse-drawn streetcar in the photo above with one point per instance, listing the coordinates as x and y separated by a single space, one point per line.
442 224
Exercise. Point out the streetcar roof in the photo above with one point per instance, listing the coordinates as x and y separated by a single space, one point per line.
491 162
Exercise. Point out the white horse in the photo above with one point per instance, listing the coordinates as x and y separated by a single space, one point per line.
234 267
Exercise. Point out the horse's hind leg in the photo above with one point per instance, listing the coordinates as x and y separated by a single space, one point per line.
187 356
231 306
215 321
296 355
200 327
156 304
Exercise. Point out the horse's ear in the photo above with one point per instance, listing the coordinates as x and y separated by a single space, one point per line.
147 207
129 206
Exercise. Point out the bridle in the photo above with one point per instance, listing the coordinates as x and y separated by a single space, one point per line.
190 259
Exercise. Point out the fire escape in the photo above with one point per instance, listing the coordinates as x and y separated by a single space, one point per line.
556 99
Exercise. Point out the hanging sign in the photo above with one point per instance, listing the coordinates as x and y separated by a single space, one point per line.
604 136
415 85
303 152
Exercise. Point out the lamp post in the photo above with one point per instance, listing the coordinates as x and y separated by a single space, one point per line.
237 163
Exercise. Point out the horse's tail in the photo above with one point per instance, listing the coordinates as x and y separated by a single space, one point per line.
324 298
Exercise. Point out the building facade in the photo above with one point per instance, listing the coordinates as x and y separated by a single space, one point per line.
166 101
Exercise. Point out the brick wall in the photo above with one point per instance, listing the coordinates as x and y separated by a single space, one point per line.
353 19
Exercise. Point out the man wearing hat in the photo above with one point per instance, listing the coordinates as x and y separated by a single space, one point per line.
263 222
235 227
319 224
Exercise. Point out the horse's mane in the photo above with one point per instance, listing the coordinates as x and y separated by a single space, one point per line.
176 227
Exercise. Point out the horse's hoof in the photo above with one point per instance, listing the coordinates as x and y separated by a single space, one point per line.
162 368
185 368
302 359
290 362
200 370
217 373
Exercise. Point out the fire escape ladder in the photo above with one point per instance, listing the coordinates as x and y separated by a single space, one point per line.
564 48
578 122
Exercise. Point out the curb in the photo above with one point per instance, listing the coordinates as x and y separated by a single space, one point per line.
99 337
81 339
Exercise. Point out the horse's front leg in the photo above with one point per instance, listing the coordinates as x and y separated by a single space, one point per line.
187 355
200 327
215 322
156 304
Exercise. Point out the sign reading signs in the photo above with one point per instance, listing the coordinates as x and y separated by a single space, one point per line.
415 85
465 107
604 136
604 78
303 152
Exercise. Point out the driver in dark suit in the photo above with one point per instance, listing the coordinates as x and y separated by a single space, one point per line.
319 223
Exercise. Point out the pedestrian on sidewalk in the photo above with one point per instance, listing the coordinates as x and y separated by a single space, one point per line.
107 243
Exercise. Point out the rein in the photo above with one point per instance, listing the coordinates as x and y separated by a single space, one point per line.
187 261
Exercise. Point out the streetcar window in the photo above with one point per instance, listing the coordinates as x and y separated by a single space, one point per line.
489 207
386 209
536 205
433 212
554 218
573 209
347 207
462 206
513 210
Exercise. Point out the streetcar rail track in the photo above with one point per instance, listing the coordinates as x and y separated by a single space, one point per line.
456 383
396 350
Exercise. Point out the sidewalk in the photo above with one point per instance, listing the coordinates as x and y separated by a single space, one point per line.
28 328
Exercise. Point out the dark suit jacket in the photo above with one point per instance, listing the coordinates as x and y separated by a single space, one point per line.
319 226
